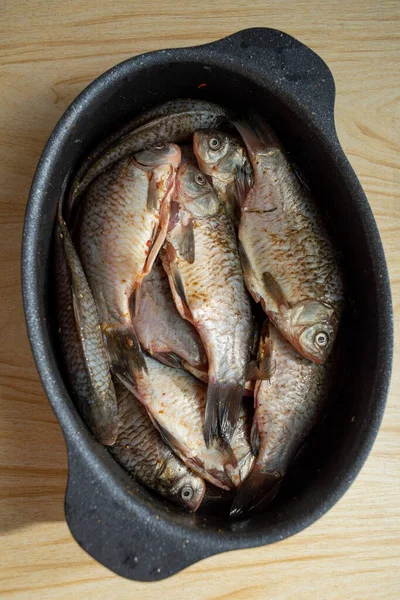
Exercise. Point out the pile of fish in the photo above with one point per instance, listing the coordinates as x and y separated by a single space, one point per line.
198 296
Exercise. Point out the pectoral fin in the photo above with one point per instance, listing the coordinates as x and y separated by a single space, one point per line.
182 238
243 182
170 359
274 290
153 196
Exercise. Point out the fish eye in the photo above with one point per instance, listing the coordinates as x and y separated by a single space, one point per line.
214 143
200 179
321 339
186 493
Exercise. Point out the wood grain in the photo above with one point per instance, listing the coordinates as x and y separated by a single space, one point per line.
48 53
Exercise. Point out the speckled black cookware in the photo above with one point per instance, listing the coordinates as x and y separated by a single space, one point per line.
117 521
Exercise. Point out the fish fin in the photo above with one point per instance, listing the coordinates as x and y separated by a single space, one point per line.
170 359
222 410
176 446
167 436
258 490
235 472
274 289
217 478
153 196
211 424
179 286
182 238
266 360
254 438
242 184
264 367
160 232
252 370
175 281
250 138
158 238
262 130
229 409
126 356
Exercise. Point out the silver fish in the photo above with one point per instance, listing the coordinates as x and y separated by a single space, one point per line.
141 451
176 403
82 344
170 122
202 262
124 222
288 259
287 407
160 328
221 156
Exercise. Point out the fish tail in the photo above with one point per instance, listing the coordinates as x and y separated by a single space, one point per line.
222 411
264 132
256 134
211 424
258 490
230 399
126 355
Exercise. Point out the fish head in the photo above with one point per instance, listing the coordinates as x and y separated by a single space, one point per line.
162 154
195 193
218 153
313 328
188 491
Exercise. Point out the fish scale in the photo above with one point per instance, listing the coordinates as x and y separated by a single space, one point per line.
217 281
287 407
124 221
209 291
291 263
82 345
140 449
175 400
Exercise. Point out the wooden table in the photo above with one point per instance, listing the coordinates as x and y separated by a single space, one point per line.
49 52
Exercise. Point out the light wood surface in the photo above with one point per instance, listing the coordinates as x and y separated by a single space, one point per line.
49 51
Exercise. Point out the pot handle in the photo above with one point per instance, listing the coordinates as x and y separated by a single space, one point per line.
116 522
291 70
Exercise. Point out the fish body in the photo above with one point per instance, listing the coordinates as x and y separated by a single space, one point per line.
202 262
176 403
221 156
287 407
141 451
123 224
170 122
82 344
289 261
161 330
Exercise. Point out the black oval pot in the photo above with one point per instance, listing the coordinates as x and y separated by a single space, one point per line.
113 518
